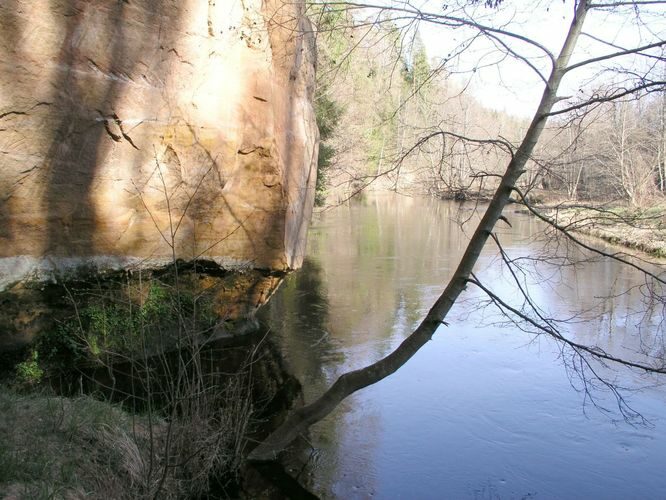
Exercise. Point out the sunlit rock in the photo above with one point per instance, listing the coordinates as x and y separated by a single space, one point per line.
133 133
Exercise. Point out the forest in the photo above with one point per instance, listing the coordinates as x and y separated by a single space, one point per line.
380 94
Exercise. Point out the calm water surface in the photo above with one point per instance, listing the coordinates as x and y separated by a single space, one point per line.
485 410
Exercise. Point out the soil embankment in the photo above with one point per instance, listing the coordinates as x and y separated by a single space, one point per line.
640 229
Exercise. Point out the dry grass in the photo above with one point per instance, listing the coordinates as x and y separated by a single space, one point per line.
55 447
193 428
641 229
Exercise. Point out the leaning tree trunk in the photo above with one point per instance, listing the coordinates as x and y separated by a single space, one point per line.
348 383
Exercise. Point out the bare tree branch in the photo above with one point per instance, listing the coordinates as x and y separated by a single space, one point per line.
657 86
582 244
353 381
614 55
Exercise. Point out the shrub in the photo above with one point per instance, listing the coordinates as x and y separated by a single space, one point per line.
29 372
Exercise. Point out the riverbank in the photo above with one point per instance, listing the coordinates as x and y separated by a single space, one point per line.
75 447
57 447
634 228
129 430
643 229
128 386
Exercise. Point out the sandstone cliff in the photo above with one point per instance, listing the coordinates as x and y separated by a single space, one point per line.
135 131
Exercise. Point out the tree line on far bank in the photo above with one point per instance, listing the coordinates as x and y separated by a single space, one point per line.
381 99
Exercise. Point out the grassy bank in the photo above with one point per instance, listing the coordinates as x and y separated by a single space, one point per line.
640 229
190 447
75 447
55 447
58 447
179 393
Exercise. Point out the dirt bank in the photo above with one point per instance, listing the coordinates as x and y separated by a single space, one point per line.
641 229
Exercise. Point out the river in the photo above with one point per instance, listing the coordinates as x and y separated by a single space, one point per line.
485 410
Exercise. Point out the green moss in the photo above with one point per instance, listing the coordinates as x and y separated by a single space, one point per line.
104 325
30 372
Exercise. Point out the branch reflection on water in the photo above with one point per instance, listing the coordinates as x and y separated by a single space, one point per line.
479 406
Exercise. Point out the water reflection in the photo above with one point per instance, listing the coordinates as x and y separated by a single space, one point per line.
480 412
301 308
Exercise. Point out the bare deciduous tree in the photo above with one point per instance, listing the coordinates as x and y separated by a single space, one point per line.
636 64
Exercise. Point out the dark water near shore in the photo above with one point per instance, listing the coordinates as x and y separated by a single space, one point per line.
485 410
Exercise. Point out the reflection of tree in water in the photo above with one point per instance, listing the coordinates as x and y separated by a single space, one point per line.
310 301
373 267
299 313
349 304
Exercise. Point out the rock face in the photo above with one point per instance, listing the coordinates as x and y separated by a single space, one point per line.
136 132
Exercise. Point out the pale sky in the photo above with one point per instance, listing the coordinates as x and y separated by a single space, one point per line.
512 86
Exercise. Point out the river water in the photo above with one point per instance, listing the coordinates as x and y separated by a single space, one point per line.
485 410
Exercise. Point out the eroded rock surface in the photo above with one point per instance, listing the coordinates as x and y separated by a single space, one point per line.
135 132
225 302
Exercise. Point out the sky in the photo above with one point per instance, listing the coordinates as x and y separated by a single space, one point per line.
511 85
